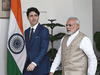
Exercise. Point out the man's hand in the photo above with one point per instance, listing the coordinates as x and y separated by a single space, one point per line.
31 67
51 73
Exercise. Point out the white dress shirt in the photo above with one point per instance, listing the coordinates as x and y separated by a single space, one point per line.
86 46
34 27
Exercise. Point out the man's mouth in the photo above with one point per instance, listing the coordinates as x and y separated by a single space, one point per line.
68 30
33 20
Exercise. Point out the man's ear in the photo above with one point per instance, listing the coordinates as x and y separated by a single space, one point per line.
78 25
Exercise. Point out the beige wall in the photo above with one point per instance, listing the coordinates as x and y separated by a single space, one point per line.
3 45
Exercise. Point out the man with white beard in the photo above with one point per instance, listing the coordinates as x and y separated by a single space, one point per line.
75 52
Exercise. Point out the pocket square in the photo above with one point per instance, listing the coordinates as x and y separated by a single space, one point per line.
36 37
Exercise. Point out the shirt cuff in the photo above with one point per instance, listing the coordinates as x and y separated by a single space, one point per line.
34 63
52 71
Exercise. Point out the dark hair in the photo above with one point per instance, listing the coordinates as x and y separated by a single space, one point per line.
32 9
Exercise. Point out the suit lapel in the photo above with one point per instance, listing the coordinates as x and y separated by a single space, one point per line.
28 34
34 35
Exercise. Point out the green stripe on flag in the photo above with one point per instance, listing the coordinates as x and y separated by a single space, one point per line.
12 68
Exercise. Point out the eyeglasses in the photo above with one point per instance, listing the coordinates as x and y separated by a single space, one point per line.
69 25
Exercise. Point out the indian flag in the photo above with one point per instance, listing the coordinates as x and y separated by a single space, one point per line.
16 50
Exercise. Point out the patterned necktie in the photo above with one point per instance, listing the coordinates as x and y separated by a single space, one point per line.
31 34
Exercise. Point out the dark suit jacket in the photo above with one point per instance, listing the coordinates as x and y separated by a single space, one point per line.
37 50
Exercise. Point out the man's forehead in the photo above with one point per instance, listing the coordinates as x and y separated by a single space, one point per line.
71 21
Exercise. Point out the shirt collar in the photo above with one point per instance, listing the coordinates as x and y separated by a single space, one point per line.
34 27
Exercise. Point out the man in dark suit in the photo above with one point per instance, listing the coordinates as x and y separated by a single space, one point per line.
37 40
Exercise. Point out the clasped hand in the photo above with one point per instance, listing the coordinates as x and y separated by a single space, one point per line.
31 67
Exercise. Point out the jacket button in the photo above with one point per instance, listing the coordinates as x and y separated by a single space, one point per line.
71 45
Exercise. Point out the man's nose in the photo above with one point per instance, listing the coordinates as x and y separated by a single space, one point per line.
33 17
67 26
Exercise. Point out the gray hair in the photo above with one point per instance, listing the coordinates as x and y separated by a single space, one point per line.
77 21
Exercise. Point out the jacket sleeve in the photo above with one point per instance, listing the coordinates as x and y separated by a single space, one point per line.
44 46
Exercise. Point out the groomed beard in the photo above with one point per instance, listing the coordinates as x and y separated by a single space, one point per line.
70 32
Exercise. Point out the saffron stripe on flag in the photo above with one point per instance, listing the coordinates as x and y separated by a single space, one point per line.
16 8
